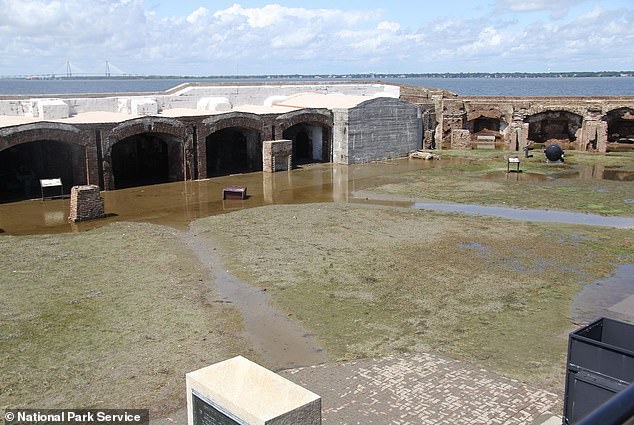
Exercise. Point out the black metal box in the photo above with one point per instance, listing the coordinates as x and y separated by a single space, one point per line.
600 364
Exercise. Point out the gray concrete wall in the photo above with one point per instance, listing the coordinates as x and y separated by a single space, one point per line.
382 128
340 136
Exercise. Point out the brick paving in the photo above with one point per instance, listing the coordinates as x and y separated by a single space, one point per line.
420 389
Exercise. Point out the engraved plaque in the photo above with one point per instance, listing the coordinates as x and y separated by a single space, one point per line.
206 414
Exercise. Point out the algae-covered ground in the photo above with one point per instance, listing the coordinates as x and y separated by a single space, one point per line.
113 317
585 182
372 281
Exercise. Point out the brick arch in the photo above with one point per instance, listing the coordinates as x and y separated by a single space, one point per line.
312 117
59 132
175 129
231 119
168 126
566 123
309 116
13 136
620 125
219 122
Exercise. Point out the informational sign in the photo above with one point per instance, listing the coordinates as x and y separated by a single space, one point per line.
206 414
514 160
50 182
44 183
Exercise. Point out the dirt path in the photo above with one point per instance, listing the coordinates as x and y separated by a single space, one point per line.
280 343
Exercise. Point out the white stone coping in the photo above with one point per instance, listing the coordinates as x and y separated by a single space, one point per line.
248 390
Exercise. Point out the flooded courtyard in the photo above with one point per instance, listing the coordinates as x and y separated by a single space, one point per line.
177 204
320 265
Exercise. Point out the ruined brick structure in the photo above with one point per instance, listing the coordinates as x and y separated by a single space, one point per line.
277 155
599 124
85 203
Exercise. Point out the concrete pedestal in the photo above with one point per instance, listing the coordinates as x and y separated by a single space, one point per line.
240 392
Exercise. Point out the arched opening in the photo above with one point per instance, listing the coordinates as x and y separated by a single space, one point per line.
484 124
621 126
233 150
310 142
146 159
23 165
554 127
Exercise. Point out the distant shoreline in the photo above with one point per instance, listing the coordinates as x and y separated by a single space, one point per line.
579 74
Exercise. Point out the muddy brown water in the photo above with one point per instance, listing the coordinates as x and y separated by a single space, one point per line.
178 204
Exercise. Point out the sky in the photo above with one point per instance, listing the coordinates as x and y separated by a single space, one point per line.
200 38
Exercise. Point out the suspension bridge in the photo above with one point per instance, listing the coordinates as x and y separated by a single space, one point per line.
70 70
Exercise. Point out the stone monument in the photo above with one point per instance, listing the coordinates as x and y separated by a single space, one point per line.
240 392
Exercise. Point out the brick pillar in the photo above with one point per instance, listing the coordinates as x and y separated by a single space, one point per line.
277 155
602 136
85 203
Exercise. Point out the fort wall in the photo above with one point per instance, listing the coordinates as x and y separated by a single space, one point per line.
197 131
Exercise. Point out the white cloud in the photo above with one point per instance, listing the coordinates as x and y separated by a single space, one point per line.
388 26
197 14
38 36
557 8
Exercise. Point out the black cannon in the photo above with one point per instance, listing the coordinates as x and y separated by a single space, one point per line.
554 153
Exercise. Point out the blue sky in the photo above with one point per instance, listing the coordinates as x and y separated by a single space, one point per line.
194 37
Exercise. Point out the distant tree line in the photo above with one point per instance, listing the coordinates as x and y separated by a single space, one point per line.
366 76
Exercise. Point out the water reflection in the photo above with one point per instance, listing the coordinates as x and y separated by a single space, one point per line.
177 204
611 297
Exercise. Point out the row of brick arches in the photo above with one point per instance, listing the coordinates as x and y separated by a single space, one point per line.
151 150
560 127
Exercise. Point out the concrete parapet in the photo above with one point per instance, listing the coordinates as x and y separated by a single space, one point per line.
144 106
85 203
214 104
52 109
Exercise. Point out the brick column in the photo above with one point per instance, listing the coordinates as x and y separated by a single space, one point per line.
85 203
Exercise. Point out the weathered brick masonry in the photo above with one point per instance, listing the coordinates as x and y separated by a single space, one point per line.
85 203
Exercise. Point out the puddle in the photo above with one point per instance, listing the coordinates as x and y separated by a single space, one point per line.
281 342
514 176
612 297
530 215
592 172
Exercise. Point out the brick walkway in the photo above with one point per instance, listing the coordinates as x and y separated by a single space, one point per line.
419 389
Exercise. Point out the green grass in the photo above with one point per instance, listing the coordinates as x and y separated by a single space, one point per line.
484 181
109 318
376 281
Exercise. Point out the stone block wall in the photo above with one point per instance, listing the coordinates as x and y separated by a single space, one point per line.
381 128
85 203
460 139
277 155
